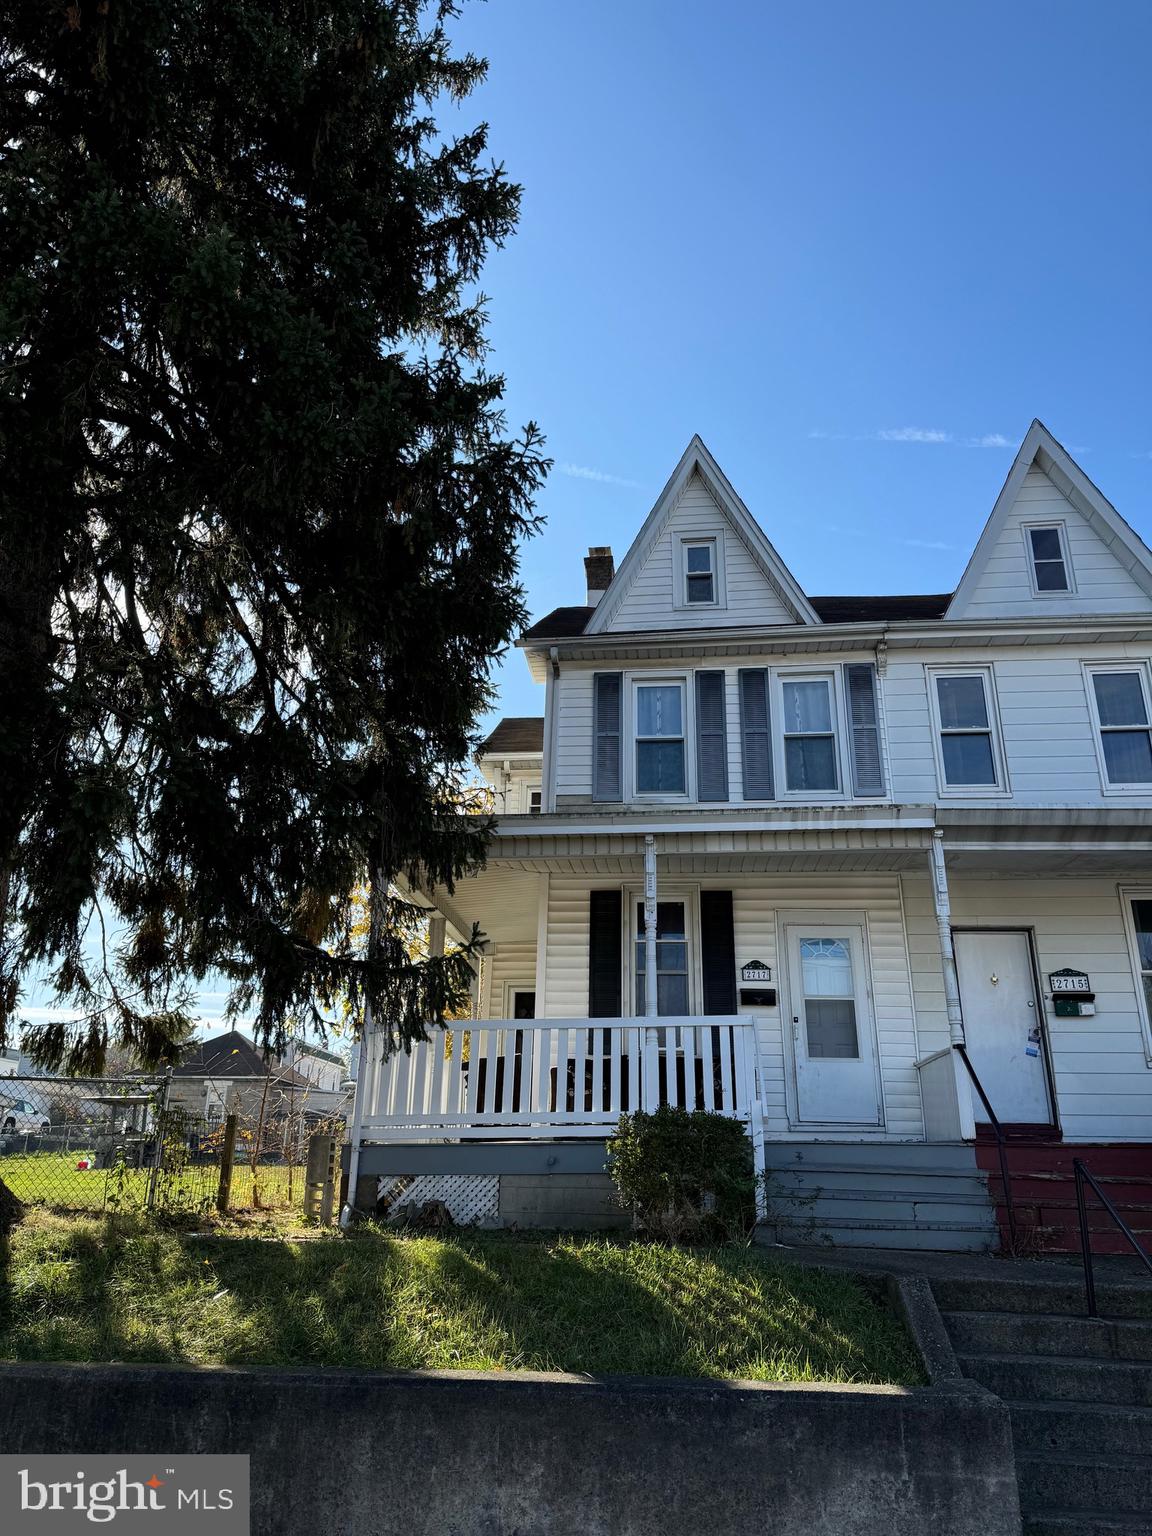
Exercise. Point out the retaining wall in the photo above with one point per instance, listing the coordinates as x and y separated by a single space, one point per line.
476 1454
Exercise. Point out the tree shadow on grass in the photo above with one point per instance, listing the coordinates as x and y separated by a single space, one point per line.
464 1301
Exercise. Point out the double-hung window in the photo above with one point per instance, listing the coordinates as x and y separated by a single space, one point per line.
661 760
808 709
1048 557
671 959
700 572
1120 702
966 728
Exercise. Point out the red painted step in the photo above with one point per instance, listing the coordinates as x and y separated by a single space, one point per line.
1044 1192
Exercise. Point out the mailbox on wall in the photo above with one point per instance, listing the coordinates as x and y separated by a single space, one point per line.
1072 994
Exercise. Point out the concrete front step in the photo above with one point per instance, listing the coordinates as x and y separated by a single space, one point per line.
1049 1333
1090 1482
933 1156
897 1236
1047 1292
1059 1522
1039 1427
1059 1378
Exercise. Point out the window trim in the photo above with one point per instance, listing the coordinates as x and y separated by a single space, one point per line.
778 676
682 680
1127 894
1002 788
1124 664
680 574
1061 530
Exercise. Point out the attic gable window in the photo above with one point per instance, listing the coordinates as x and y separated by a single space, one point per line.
1048 556
699 573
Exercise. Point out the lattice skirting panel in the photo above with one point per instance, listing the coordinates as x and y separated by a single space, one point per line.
469 1196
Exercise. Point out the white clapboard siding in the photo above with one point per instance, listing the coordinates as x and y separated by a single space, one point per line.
650 602
757 902
1103 585
508 965
1048 736
1103 1082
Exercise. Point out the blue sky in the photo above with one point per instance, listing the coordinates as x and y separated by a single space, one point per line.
845 242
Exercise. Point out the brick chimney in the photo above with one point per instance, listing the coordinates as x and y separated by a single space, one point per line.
599 568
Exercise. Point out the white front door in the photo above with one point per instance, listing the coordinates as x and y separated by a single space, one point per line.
1002 1025
834 1043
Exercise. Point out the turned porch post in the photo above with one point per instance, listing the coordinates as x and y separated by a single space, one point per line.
947 949
651 1001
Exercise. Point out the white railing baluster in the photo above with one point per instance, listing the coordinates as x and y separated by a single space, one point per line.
575 1077
688 1036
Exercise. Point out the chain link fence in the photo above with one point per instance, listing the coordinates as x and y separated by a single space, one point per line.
136 1143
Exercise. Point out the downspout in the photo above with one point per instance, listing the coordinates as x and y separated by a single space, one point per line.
947 948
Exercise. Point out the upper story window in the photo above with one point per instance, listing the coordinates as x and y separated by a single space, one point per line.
535 799
661 759
810 754
699 572
1047 548
965 717
1120 704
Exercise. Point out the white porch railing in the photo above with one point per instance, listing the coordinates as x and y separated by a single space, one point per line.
515 1078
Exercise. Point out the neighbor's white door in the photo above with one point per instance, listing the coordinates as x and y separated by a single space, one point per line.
834 1041
1002 1025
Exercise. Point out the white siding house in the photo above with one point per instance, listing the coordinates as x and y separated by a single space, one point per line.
895 851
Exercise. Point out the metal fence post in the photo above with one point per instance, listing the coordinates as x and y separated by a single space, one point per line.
227 1163
158 1154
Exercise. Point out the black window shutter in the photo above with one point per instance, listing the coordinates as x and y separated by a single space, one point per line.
605 938
717 952
756 733
867 767
711 737
607 692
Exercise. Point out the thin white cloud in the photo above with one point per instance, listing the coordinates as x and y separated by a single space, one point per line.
913 435
934 436
927 544
583 472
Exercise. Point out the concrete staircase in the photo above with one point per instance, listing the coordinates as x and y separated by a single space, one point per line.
1079 1391
899 1195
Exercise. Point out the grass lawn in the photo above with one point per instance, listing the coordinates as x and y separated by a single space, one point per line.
120 1289
53 1177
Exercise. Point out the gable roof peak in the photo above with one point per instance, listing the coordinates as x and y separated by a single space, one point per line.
697 458
1042 450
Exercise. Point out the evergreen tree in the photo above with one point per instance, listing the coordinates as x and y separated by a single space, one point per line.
259 507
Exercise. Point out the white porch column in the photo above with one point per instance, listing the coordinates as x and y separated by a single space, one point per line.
947 949
365 1074
651 1001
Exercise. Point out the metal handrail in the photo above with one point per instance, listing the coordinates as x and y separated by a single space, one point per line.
1084 1175
998 1131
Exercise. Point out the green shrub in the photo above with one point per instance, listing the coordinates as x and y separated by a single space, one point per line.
687 1175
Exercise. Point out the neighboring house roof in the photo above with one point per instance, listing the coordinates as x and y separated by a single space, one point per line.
564 623
519 733
233 1055
302 1048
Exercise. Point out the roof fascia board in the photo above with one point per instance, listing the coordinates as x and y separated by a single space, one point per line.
697 457
897 632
